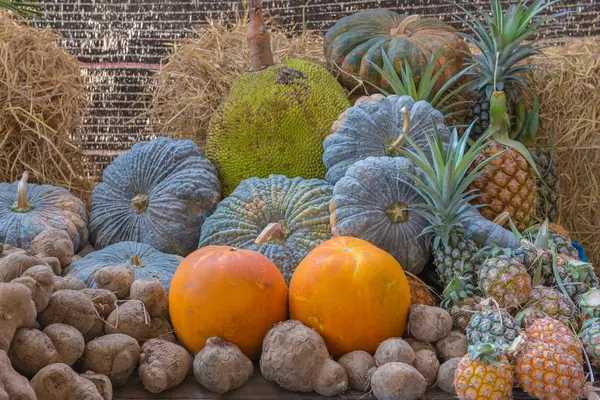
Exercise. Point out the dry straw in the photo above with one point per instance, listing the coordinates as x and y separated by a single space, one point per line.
41 101
197 76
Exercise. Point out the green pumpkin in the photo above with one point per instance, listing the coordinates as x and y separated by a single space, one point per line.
282 218
357 40
371 203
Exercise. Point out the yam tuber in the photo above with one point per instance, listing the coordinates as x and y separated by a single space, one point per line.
71 283
54 264
394 350
330 378
69 307
60 382
116 279
17 310
221 366
54 243
427 364
452 345
8 250
40 280
153 295
163 365
161 329
102 383
105 302
429 324
13 385
417 345
445 377
115 355
14 265
31 350
129 318
398 381
67 341
357 365
293 356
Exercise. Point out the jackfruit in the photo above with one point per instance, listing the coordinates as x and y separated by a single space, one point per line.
274 121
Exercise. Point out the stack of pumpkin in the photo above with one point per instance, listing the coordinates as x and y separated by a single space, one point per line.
335 203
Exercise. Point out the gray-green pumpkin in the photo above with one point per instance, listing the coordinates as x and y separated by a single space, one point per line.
26 210
371 128
371 203
158 193
145 261
282 218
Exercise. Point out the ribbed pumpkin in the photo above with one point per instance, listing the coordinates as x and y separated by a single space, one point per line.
279 217
371 128
158 193
145 261
371 203
358 39
352 293
237 295
28 209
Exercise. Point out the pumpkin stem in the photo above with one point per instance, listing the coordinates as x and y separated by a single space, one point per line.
401 140
398 213
135 261
140 203
274 232
400 30
502 219
22 206
260 47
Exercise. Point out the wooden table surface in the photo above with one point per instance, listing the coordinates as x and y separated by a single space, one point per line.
257 389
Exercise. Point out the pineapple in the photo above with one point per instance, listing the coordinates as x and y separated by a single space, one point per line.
492 326
552 331
535 254
528 316
590 338
548 189
589 304
419 292
460 301
554 304
559 240
485 373
506 280
577 277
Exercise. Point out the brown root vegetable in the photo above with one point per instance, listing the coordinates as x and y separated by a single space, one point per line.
17 310
129 318
31 350
116 279
161 329
394 350
357 365
330 378
153 295
40 280
115 356
12 383
163 365
292 356
417 345
427 364
221 366
398 381
452 345
69 307
429 324
14 265
53 263
68 342
445 377
60 382
8 250
54 243
105 302
70 283
102 383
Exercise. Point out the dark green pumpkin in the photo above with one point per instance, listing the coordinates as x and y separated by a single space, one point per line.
358 39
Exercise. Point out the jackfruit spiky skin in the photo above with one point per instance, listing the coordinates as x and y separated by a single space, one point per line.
274 121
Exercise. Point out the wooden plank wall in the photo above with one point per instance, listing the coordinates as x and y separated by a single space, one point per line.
122 42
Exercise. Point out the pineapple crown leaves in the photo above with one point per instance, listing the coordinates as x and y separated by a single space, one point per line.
588 323
488 353
458 289
25 9
559 281
405 83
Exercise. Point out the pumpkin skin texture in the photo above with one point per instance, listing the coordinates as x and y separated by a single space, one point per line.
371 128
367 203
51 207
158 193
352 293
237 295
151 263
299 206
358 39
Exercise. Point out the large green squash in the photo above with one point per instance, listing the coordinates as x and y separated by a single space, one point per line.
282 218
358 39
158 193
146 262
28 209
371 203
372 129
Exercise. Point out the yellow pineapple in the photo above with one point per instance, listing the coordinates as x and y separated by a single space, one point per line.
551 331
419 292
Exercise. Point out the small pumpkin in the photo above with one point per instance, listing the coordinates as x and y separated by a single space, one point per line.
279 217
352 293
234 294
357 40
145 261
26 210
371 203
372 128
158 193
